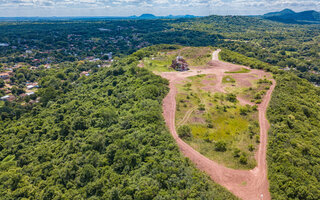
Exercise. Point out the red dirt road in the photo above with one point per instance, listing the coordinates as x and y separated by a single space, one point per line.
245 184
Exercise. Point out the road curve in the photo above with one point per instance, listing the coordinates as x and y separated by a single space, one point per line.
245 184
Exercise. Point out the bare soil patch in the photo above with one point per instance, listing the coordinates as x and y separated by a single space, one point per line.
256 182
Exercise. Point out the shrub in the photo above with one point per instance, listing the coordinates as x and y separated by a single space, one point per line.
255 108
243 159
202 107
243 111
257 138
250 147
257 95
258 101
236 153
184 131
231 97
220 146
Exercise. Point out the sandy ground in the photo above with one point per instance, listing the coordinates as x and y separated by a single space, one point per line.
141 64
246 184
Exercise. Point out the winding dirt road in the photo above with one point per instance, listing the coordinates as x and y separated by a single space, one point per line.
245 184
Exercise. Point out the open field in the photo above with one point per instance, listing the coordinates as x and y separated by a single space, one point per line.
218 108
217 117
195 56
246 184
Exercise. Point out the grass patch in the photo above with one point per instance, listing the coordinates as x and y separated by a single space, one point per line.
159 63
242 70
228 79
256 93
219 123
195 56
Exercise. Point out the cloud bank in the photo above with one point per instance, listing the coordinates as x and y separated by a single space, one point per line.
12 8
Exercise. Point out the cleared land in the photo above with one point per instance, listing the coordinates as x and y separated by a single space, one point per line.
217 119
195 56
246 184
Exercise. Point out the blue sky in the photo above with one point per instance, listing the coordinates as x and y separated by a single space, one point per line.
46 8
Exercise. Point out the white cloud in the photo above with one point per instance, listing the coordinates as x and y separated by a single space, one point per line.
160 7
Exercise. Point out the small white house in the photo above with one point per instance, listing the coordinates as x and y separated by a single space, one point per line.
29 87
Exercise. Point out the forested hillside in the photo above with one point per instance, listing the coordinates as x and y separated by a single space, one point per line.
294 137
286 45
95 131
104 138
290 46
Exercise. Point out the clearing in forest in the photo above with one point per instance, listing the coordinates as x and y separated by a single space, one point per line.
161 61
219 111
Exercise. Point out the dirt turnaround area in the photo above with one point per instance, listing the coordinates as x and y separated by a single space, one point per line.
245 184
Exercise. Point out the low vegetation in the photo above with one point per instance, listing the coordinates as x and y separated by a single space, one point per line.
294 136
242 70
228 79
218 123
104 138
161 61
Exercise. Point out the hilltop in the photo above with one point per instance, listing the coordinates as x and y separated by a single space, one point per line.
147 16
289 16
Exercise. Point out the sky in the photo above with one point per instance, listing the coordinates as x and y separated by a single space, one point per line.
49 8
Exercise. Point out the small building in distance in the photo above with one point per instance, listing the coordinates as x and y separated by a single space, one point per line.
85 73
5 75
179 64
8 98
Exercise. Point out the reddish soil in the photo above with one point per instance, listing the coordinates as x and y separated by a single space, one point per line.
197 120
141 64
244 80
246 184
209 83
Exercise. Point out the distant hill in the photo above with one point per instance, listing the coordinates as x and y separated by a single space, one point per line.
289 16
134 17
151 16
147 16
281 13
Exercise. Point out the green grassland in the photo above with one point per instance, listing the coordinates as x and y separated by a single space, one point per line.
253 94
217 118
197 56
257 91
228 79
242 70
293 139
161 61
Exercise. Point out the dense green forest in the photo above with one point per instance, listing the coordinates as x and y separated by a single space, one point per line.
286 45
103 138
294 137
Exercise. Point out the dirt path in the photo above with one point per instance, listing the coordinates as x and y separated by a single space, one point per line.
246 184
187 116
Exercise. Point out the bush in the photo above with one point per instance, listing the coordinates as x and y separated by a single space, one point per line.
250 147
257 138
220 146
231 97
243 159
210 125
236 153
258 101
243 111
201 107
184 131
